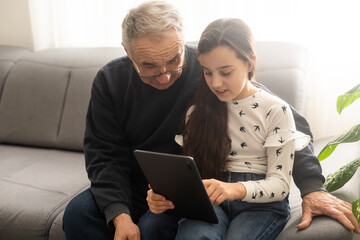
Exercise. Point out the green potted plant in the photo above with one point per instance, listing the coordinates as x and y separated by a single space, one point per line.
338 179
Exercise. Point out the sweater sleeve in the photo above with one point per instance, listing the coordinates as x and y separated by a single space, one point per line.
275 187
307 172
106 154
280 144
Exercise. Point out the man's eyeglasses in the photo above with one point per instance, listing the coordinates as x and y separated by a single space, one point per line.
171 72
153 76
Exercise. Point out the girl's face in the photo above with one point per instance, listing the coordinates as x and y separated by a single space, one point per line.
226 75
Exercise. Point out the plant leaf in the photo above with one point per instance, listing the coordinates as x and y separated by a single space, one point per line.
351 135
356 210
347 98
338 179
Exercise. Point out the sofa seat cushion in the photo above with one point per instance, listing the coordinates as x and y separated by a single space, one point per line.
35 186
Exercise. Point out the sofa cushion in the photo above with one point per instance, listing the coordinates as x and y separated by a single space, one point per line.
319 228
71 131
45 98
8 57
35 186
56 230
286 70
32 103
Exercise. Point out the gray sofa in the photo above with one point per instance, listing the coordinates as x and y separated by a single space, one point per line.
43 102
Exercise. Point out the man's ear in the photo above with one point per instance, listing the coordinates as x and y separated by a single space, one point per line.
127 52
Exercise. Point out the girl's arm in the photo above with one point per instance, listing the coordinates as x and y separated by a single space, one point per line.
280 147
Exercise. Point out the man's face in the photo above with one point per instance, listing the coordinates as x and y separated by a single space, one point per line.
159 59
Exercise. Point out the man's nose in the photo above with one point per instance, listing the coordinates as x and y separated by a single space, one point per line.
164 78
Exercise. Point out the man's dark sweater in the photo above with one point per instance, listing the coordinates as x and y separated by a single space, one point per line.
126 114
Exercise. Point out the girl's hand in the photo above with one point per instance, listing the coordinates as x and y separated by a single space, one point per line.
219 191
158 203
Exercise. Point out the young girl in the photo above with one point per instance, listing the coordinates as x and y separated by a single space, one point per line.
242 138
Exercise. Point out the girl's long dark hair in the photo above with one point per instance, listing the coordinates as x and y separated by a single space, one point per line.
205 133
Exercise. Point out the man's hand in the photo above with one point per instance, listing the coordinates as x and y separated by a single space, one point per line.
323 203
125 228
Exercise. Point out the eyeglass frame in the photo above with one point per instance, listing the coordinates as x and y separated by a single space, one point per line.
154 76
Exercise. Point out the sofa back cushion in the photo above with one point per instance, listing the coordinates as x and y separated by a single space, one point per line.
46 95
9 55
281 66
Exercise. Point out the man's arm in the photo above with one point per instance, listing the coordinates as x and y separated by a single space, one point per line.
108 162
107 157
307 171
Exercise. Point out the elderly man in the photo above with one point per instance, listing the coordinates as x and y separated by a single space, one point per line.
137 102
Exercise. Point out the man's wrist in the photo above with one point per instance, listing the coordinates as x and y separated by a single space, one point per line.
310 185
115 209
314 192
121 218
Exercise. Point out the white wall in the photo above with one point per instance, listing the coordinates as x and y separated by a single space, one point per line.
15 28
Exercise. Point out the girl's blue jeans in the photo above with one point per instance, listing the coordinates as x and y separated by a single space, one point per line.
237 219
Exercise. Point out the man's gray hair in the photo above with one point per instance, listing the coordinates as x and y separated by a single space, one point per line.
152 17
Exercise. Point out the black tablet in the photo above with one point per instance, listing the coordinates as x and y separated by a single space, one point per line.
176 177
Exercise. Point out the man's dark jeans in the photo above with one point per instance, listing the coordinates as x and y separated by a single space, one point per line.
84 220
